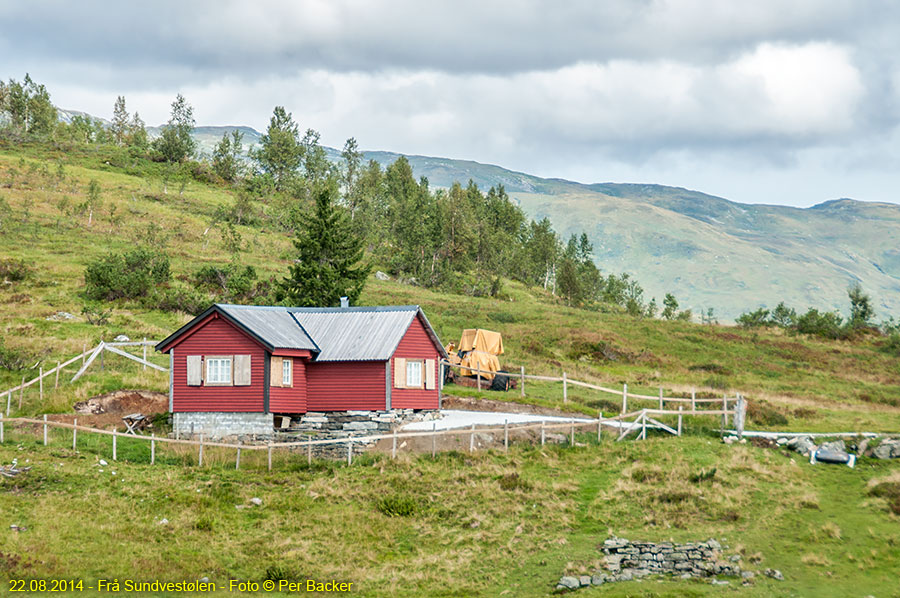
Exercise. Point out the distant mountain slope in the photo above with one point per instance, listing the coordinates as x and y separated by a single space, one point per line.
707 250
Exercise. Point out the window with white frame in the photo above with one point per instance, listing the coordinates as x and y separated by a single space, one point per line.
218 370
287 372
414 374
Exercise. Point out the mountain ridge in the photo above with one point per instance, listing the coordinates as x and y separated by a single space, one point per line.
707 250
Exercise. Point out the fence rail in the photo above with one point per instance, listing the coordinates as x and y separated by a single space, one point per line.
621 422
87 357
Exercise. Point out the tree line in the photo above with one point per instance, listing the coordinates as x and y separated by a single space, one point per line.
346 216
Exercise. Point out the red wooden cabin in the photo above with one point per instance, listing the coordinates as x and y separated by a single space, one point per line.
259 361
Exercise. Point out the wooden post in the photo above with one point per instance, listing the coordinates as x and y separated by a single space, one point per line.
565 389
660 399
21 393
522 386
693 399
624 399
115 437
542 433
8 398
472 439
309 452
83 353
200 460
505 435
679 420
394 445
572 436
75 434
237 460
724 417
433 440
349 452
478 376
145 354
1 428
269 451
41 383
599 425
152 449
56 382
644 426
740 415
45 429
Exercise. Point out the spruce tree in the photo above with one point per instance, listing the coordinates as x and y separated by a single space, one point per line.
176 143
327 265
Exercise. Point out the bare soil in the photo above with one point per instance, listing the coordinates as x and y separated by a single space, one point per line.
106 411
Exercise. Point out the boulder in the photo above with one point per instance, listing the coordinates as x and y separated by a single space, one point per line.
804 445
568 583
598 579
584 580
836 446
774 574
382 276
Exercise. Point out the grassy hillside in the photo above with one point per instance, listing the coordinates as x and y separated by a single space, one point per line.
483 524
486 524
814 383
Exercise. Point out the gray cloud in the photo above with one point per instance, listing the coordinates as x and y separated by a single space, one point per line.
697 92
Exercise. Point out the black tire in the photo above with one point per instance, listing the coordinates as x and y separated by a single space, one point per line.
500 381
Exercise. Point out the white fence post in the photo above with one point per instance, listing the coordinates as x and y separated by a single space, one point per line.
45 429
679 420
624 399
522 388
74 434
565 389
599 425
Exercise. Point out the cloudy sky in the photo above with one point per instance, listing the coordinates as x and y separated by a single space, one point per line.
764 102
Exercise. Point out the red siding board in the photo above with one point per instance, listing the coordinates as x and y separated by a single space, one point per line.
416 344
290 399
217 336
343 385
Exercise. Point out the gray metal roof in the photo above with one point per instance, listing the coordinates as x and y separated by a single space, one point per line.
273 325
335 333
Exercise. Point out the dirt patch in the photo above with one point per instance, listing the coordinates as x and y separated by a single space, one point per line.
106 411
470 404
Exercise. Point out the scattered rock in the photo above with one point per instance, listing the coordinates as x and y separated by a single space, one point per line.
730 439
598 579
836 446
61 316
774 574
103 463
18 528
163 522
256 501
121 339
887 449
382 276
584 580
204 579
719 582
804 445
568 583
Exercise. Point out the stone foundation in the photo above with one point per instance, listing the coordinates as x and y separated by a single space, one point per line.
217 425
261 427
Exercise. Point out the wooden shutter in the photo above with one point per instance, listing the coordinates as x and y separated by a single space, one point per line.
275 371
242 370
399 372
429 374
194 370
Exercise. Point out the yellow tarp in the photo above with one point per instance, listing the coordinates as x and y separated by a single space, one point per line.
476 339
487 363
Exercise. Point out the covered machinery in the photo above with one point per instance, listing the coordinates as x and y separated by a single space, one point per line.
476 354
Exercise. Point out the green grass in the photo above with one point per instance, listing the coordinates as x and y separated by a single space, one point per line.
482 524
814 384
463 525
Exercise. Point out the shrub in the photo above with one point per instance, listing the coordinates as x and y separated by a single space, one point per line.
13 270
704 475
762 413
178 298
892 344
754 319
12 359
96 315
126 275
512 481
397 505
824 324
